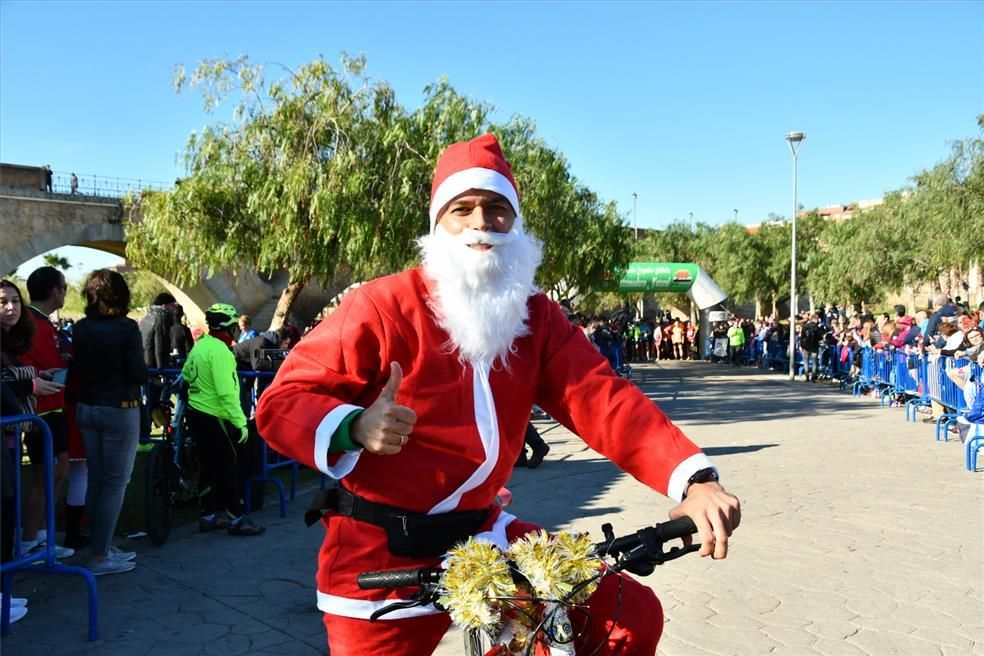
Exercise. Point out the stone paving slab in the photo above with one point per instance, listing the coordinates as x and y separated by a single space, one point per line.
861 535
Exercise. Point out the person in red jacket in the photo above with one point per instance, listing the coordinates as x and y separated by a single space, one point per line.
416 392
46 287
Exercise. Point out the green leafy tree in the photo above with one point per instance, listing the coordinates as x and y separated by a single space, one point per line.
144 286
736 261
584 238
309 177
322 173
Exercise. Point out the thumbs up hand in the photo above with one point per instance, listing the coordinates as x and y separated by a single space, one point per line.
385 426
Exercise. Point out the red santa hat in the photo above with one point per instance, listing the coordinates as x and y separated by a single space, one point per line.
475 164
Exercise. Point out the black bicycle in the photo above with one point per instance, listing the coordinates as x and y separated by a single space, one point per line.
638 553
171 475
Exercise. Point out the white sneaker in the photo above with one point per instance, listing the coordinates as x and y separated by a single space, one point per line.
110 566
118 554
60 552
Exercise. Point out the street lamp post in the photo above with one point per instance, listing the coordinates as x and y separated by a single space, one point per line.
794 139
736 216
635 221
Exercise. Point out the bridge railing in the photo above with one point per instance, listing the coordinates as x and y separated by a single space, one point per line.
103 186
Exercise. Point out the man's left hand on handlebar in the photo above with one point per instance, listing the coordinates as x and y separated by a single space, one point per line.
716 514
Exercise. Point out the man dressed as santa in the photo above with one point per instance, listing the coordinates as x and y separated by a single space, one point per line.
415 394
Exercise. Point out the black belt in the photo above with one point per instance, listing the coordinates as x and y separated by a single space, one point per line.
408 533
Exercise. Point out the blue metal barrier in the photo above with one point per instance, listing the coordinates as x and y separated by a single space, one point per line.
974 444
772 354
865 371
893 372
44 562
914 382
753 352
947 393
268 465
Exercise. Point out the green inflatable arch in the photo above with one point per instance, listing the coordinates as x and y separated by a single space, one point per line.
655 277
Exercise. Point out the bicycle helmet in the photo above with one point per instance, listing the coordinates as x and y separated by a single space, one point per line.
221 315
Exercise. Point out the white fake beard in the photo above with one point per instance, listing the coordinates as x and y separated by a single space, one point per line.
481 296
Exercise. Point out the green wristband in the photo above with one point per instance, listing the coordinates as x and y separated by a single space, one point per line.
341 439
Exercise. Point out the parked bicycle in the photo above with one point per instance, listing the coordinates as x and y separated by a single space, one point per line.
171 475
546 620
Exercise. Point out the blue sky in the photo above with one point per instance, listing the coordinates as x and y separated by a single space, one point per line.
685 104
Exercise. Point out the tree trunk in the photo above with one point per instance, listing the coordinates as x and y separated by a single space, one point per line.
758 308
286 302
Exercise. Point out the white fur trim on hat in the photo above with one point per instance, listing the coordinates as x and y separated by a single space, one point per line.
474 178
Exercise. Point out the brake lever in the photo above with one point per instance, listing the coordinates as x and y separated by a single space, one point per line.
421 598
676 552
643 559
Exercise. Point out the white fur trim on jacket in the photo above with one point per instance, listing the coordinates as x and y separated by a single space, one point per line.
474 178
488 430
683 472
363 609
322 440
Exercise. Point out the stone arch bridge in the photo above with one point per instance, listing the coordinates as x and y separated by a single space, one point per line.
36 221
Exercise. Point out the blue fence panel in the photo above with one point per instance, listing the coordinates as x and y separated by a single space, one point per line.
905 380
44 562
935 375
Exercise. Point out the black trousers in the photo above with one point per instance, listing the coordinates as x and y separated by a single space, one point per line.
9 507
216 440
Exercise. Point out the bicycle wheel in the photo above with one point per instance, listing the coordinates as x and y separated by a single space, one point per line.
158 492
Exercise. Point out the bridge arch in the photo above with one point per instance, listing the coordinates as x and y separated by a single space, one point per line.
36 222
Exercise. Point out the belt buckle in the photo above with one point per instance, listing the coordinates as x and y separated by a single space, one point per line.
346 502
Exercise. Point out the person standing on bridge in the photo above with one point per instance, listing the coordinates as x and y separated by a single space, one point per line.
416 394
74 183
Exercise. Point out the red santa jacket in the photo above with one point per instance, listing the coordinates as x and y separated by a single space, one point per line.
470 420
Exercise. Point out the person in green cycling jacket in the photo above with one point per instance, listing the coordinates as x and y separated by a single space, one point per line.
736 341
217 422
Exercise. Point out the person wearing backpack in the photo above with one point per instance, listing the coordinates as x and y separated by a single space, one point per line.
810 338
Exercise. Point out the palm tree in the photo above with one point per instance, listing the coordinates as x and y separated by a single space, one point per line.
57 261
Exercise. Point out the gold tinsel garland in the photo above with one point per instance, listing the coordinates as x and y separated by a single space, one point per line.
477 576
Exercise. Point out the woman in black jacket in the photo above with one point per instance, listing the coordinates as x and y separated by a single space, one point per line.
109 357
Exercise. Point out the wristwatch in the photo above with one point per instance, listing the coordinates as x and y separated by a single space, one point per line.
706 475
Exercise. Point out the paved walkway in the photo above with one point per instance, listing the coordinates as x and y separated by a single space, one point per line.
861 535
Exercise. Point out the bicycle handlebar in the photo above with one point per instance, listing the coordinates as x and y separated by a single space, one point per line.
645 543
400 578
658 534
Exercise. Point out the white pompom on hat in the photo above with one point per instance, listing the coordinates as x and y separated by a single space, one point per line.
475 164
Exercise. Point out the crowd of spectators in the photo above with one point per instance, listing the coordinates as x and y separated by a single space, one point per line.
624 338
831 344
94 382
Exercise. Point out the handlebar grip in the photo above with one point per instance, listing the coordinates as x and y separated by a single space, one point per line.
399 578
676 528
